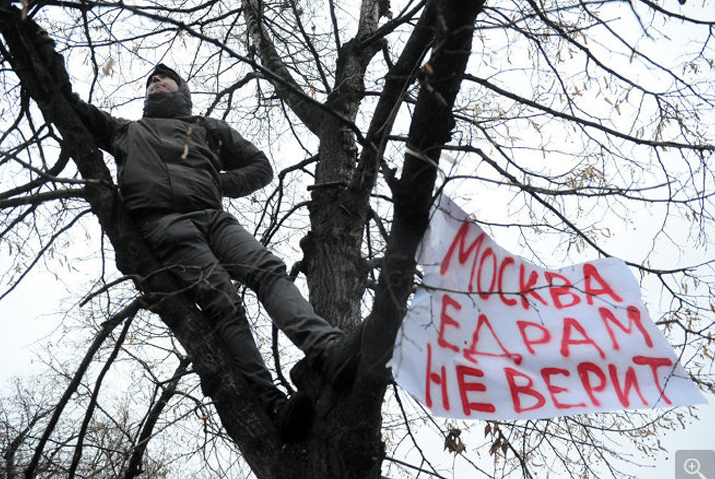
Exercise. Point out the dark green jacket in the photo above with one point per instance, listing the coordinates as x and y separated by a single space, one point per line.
171 161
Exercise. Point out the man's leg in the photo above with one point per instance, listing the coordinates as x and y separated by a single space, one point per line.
249 262
180 242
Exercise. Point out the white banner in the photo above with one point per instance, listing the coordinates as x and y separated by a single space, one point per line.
491 336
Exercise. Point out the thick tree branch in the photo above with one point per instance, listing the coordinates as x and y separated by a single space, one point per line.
308 112
397 80
430 130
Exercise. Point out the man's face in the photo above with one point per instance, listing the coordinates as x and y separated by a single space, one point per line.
161 83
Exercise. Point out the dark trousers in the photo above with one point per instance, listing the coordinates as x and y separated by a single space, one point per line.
208 249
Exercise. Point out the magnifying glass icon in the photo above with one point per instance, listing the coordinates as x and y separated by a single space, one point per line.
692 466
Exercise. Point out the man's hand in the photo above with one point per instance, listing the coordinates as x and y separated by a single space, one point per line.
43 37
54 62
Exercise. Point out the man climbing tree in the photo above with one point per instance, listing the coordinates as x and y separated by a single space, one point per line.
174 169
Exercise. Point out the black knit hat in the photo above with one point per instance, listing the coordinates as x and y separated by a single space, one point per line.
164 70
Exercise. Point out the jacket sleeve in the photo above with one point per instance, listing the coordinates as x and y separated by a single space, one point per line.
101 125
246 168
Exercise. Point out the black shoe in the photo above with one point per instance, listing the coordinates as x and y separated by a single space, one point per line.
340 363
294 418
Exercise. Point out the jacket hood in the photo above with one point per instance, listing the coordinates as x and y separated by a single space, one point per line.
168 104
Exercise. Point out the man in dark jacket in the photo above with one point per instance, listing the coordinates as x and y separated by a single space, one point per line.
173 171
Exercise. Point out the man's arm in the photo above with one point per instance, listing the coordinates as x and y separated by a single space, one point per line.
100 124
246 167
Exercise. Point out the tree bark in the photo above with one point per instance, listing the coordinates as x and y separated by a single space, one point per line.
348 443
333 264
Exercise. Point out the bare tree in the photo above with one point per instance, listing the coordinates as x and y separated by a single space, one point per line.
563 120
